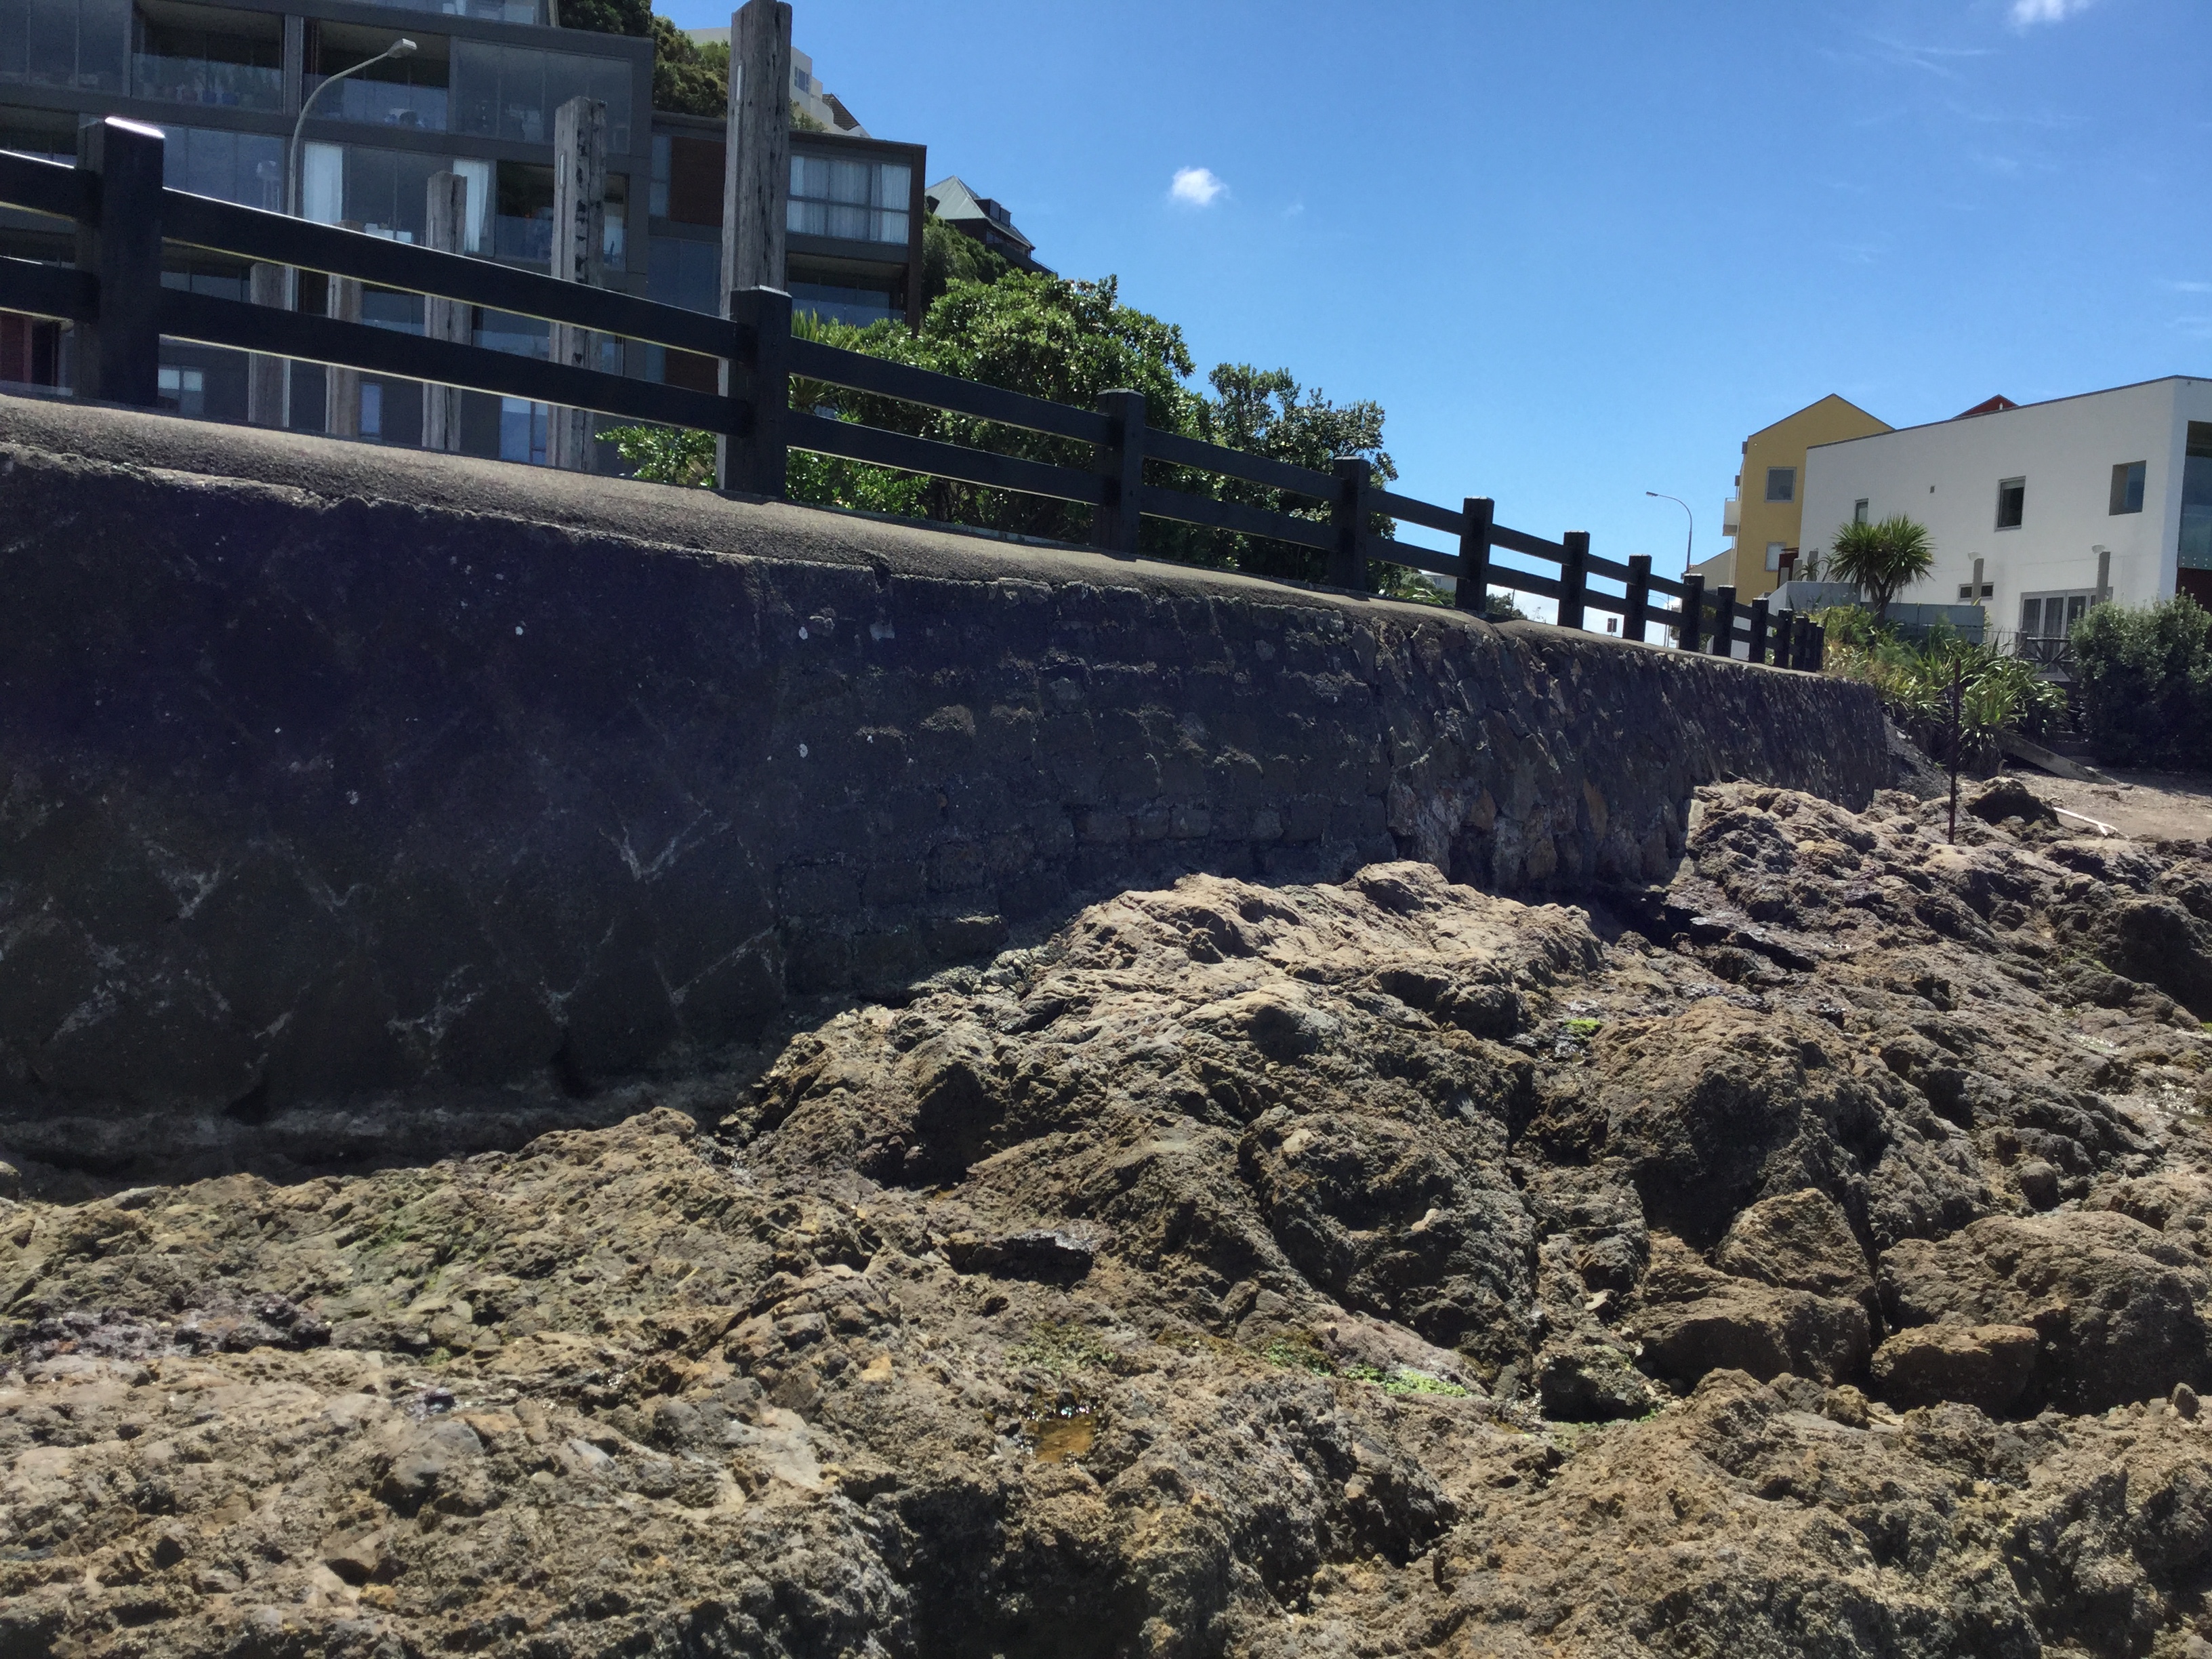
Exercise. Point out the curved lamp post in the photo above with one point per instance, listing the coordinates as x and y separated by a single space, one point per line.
402 48
1690 546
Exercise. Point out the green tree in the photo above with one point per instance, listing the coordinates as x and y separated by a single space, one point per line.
2143 683
1883 558
662 454
948 256
631 17
689 78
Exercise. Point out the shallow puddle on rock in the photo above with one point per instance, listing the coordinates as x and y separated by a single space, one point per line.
1060 1431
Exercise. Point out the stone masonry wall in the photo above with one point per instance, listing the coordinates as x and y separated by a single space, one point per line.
339 786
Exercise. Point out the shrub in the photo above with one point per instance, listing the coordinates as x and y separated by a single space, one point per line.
2143 680
1998 694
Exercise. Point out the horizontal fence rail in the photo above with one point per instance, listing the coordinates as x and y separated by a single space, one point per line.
115 299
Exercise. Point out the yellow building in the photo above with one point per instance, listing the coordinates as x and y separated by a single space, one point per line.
1765 515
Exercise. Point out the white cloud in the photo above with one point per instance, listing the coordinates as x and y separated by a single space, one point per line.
2026 13
2188 288
1196 187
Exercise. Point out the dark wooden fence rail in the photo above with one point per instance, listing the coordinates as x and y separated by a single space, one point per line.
121 310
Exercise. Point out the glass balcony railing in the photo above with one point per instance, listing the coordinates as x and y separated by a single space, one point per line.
531 240
380 103
207 81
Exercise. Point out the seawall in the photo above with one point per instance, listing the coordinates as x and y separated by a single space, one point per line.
343 789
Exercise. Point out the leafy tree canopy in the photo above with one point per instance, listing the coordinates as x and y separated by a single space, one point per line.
688 78
948 256
1883 558
631 17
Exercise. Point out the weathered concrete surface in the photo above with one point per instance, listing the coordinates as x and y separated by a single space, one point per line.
346 787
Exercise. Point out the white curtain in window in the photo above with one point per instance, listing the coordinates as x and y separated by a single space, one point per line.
478 174
322 184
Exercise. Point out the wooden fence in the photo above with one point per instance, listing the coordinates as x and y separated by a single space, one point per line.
115 298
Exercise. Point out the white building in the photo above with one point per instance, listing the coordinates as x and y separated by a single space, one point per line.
2040 498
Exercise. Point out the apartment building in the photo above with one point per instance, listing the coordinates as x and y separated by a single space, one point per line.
475 97
2035 509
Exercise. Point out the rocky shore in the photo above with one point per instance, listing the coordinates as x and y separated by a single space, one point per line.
1806 1256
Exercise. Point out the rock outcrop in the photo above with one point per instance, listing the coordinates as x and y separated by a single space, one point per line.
1806 1256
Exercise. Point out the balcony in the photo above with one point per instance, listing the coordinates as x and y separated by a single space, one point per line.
207 81
382 104
1731 514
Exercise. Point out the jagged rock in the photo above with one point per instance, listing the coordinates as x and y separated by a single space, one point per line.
1694 1320
1594 1382
1799 1241
1380 1194
2114 1303
1985 1366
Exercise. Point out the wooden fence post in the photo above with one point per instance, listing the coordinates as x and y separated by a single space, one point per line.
1724 622
757 163
1801 647
119 354
268 379
1121 460
755 167
1574 576
580 220
754 459
445 228
1692 626
1784 622
1758 630
1819 646
1347 565
1471 588
342 386
1637 603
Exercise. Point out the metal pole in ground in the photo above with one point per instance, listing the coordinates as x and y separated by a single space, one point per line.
1955 701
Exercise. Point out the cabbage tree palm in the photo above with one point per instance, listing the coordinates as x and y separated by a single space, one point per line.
1883 558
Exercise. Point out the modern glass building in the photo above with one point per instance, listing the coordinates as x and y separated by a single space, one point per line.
477 97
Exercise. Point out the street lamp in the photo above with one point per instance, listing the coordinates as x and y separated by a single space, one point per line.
1691 544
402 48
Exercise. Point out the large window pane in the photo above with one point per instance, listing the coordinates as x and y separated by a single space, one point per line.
245 167
512 92
853 200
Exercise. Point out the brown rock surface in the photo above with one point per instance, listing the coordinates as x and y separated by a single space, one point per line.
1381 1268
1985 1366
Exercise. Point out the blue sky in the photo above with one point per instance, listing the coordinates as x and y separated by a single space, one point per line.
1578 249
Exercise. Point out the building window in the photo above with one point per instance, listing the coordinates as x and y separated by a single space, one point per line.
194 55
840 302
1859 511
2197 498
1774 551
851 201
2012 503
522 433
183 389
2127 486
2046 619
510 92
79 46
393 92
372 409
1780 484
